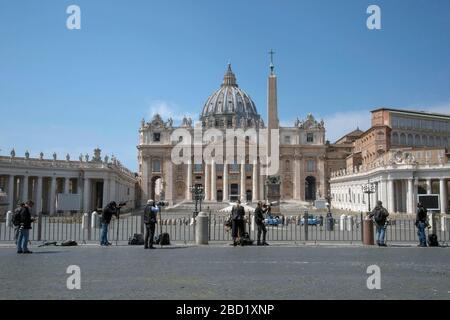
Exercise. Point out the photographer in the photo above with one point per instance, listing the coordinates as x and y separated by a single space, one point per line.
25 227
110 210
421 224
259 219
379 215
237 222
150 216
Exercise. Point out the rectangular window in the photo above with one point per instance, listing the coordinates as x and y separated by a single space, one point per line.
287 139
310 137
156 166
310 165
198 168
156 137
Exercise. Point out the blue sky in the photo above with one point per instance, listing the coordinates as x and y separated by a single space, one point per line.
70 91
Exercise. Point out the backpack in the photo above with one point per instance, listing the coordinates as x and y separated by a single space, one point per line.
16 218
136 240
69 243
163 239
245 240
378 216
433 240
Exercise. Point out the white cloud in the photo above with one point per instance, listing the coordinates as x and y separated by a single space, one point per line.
340 123
169 110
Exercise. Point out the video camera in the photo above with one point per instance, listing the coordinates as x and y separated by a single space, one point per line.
162 203
122 204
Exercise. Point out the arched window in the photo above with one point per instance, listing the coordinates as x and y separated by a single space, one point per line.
431 142
424 140
395 138
403 139
410 141
417 141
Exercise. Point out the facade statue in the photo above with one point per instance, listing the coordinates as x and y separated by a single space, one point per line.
67 157
41 156
27 155
13 153
54 156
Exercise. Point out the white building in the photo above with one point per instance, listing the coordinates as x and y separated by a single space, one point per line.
97 181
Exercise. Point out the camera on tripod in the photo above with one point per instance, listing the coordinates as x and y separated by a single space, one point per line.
162 203
122 204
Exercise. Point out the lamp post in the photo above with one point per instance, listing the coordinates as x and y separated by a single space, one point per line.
368 188
198 193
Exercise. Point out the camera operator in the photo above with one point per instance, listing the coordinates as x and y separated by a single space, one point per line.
150 218
421 224
259 219
110 210
25 227
237 222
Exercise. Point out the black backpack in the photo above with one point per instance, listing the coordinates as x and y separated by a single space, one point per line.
16 218
163 239
136 240
433 240
69 243
245 240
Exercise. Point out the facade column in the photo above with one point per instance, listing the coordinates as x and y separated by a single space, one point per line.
168 186
105 192
301 181
79 192
144 181
243 195
410 196
383 188
428 181
297 179
207 181
390 191
189 180
66 185
39 195
25 189
86 195
113 190
53 195
443 194
255 188
226 197
11 193
213 181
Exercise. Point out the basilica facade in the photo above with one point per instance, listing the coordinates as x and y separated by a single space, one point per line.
304 158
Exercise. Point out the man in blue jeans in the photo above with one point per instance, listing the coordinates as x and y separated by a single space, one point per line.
108 212
24 228
379 215
421 224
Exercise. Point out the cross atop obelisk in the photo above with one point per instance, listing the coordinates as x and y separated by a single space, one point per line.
271 52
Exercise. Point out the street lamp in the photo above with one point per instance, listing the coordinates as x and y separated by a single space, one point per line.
197 194
368 188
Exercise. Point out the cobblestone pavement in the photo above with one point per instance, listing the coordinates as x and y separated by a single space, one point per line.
225 272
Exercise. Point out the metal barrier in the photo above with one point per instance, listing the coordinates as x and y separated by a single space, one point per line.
297 229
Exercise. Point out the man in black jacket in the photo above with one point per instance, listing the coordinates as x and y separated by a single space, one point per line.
259 219
108 212
25 227
150 212
237 222
379 215
421 224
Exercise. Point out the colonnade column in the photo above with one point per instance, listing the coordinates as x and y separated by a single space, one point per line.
243 197
106 196
86 195
66 185
410 196
225 182
38 204
189 180
443 194
25 189
11 192
207 181
255 193
53 195
428 182
390 191
213 181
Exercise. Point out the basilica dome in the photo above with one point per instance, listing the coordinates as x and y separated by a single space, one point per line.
230 103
